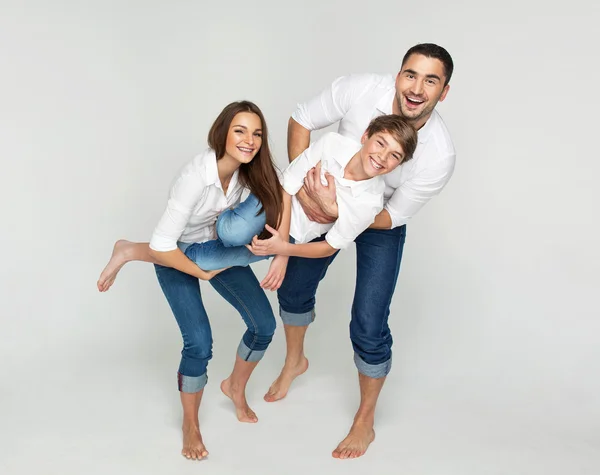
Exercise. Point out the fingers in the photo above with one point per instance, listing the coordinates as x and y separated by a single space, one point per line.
256 246
317 185
309 181
259 249
272 280
267 283
330 179
273 231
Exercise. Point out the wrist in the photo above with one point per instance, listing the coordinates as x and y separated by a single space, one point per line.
331 209
286 250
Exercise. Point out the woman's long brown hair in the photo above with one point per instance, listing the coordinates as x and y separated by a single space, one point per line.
259 176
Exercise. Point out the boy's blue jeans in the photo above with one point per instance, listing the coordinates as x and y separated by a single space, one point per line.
235 228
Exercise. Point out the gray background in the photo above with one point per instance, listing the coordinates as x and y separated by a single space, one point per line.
495 316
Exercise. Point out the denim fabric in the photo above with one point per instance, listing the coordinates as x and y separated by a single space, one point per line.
235 228
240 288
378 255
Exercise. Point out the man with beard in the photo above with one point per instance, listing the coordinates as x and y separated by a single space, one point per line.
354 100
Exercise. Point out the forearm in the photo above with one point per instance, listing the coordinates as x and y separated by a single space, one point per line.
311 250
178 260
286 218
382 221
298 139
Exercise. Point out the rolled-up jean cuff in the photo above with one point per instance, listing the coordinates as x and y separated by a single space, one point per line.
249 355
380 370
191 384
297 319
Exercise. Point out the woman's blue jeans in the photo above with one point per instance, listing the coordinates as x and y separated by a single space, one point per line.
238 285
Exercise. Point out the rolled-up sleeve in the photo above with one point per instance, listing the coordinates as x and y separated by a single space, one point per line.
412 195
185 195
332 103
352 222
295 173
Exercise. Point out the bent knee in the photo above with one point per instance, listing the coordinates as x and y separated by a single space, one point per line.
234 230
198 347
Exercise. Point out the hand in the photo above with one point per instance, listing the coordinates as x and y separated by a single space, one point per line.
209 274
317 200
267 247
274 277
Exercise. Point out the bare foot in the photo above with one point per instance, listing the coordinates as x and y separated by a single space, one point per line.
117 260
281 386
243 411
357 441
193 447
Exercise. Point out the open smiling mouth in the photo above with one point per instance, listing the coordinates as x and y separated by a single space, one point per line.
376 165
414 101
246 150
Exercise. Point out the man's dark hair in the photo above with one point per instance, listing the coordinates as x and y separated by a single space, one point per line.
431 50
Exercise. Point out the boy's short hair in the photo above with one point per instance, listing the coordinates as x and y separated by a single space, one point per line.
399 128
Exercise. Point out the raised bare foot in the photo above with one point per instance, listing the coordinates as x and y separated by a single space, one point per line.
243 411
117 260
281 386
193 447
357 441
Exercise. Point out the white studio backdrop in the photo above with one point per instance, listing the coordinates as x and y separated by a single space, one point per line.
496 309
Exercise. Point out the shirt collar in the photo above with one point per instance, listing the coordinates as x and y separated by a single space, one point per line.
358 187
212 173
385 103
337 164
424 132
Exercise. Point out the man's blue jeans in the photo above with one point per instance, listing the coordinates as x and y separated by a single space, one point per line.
378 255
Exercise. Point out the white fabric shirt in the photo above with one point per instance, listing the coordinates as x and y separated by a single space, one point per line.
355 100
195 202
358 201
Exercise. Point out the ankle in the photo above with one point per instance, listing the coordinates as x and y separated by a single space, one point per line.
191 424
293 361
365 420
234 386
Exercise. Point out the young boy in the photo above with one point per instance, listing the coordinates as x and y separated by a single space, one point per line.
355 169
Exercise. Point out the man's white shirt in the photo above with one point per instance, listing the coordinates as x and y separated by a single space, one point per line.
357 99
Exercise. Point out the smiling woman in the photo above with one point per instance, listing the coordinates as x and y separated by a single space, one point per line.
206 197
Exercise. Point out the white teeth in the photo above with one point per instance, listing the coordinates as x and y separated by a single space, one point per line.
245 149
415 100
376 165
